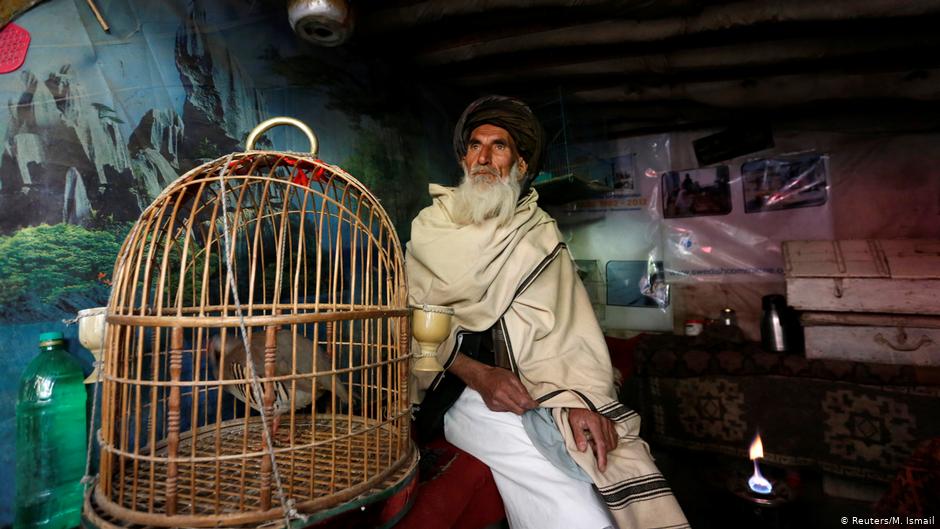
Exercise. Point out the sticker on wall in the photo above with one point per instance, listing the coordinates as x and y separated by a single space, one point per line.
14 42
785 182
697 192
686 242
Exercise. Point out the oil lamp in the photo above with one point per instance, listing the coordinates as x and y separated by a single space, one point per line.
757 482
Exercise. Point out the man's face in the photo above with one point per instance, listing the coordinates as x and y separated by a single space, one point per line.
491 154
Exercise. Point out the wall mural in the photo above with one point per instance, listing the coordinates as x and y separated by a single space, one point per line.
94 126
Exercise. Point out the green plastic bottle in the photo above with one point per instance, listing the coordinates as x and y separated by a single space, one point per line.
50 439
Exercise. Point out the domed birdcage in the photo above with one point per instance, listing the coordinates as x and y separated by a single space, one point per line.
256 357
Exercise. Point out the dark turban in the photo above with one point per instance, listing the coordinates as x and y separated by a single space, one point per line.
507 113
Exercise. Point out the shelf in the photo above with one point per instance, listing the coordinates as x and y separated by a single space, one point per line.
568 188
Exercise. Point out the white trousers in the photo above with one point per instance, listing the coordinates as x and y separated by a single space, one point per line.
535 493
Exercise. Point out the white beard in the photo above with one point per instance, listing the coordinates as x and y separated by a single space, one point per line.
477 200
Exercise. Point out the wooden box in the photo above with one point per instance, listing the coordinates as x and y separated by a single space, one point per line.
890 276
867 300
877 338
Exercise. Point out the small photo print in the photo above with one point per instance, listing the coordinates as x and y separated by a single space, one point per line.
696 192
785 182
624 180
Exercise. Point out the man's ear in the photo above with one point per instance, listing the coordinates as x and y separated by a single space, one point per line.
523 168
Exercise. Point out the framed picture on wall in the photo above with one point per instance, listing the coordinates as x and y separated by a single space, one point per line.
785 182
637 284
696 192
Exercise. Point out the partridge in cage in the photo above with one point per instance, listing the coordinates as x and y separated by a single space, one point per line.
227 354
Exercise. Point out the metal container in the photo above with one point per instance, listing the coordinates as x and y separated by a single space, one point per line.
321 22
773 327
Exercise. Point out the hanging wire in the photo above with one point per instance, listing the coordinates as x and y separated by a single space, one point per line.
564 130
290 511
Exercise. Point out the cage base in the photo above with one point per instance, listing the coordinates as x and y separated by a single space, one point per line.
336 475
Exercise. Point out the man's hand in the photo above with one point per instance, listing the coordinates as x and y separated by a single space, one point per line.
591 428
500 389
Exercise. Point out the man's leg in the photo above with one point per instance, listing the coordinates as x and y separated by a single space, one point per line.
535 493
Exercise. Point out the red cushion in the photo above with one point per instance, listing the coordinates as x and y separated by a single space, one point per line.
621 354
461 495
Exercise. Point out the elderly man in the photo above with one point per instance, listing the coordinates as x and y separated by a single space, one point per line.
528 385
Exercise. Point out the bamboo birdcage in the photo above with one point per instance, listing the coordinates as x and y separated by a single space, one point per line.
311 253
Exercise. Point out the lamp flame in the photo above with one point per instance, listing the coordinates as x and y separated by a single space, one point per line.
757 448
757 482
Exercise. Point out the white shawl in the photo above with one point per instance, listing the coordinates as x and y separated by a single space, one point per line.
521 277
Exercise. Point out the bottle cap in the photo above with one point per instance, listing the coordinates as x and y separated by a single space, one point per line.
49 338
773 300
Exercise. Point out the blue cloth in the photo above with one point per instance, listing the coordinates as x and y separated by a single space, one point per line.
540 426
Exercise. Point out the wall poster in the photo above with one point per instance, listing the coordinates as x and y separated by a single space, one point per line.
785 182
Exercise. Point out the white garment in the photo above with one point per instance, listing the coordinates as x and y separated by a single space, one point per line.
535 493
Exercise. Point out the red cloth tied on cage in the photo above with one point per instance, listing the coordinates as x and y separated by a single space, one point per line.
304 171
237 165
301 167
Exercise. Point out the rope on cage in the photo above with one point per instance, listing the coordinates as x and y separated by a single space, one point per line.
88 480
288 504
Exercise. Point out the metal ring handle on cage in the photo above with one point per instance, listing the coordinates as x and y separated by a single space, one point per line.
269 124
